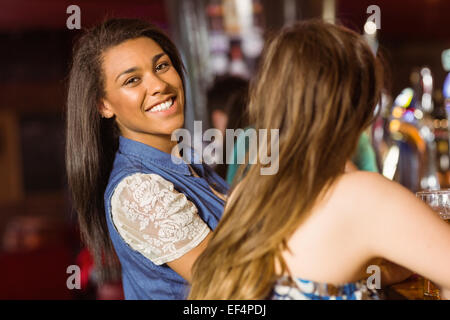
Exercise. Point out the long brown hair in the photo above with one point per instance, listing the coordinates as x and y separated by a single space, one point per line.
91 141
318 83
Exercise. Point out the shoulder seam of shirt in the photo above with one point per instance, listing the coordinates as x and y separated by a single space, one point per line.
121 183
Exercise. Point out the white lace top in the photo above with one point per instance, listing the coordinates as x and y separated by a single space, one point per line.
155 219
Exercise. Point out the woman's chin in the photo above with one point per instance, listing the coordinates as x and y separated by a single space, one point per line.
174 125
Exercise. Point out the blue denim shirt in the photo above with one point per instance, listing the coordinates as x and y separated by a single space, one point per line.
141 278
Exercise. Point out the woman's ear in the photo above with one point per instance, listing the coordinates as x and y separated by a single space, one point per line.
105 109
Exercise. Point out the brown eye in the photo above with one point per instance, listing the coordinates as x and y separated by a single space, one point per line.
162 66
131 80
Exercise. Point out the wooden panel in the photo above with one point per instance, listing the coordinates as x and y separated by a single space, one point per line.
33 97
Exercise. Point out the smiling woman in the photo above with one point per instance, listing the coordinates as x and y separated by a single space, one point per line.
126 97
147 98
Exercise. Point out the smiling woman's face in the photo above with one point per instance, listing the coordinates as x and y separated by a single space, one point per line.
143 91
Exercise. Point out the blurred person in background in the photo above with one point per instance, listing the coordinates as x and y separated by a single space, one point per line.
310 230
134 202
227 99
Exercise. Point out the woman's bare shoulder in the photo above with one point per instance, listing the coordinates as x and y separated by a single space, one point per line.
369 193
371 180
369 186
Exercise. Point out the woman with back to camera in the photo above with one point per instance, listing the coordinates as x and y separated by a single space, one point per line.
125 99
310 230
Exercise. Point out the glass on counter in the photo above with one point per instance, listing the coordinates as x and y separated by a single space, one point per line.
439 201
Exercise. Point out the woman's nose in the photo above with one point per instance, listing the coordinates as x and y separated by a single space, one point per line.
156 85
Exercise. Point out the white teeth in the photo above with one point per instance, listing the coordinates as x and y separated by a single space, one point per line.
162 106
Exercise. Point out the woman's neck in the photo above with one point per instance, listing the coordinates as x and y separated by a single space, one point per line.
160 142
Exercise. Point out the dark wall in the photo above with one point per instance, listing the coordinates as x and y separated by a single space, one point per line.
413 34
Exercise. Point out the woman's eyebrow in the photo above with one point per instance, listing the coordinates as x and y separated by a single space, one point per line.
157 56
133 69
130 70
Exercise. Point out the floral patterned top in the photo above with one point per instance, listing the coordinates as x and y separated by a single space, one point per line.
299 289
155 219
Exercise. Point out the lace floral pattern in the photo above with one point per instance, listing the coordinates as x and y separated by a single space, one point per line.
155 219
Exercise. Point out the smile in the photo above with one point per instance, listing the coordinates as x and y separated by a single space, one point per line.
162 106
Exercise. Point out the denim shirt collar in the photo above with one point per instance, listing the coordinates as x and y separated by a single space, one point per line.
161 159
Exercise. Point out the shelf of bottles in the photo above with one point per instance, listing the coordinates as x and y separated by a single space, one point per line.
235 36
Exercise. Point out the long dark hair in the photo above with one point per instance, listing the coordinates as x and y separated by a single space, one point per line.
91 141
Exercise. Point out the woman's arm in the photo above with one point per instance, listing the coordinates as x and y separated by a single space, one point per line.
401 228
183 265
392 273
159 222
445 294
